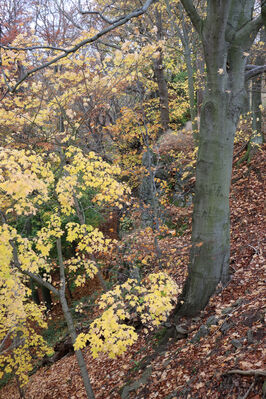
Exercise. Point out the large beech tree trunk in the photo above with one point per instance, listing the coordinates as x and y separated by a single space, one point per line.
211 225
227 34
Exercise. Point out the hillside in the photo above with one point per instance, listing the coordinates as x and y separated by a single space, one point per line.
216 355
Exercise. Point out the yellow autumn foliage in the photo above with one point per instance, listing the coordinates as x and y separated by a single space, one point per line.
151 300
29 183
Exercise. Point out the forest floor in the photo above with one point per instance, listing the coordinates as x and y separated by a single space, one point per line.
222 354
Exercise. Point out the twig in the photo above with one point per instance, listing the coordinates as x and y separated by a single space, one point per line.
248 391
238 152
258 372
254 249
31 48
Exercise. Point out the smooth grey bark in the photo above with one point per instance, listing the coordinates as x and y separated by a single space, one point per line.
256 99
256 112
184 37
227 32
160 76
200 66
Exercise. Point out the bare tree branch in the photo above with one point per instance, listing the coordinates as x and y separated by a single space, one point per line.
2 344
108 21
115 46
67 16
84 42
193 14
40 47
257 70
35 277
103 17
247 32
248 372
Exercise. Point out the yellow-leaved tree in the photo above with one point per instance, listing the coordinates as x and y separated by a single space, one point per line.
57 185
55 188
19 341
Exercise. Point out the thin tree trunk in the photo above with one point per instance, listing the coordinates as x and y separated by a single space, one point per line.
82 220
191 91
256 112
200 90
184 37
34 292
70 324
256 99
193 113
78 353
20 389
46 295
160 77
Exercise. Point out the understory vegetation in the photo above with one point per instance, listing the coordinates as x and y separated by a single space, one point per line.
131 199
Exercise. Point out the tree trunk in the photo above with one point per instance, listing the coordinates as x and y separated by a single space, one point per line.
256 99
184 37
70 323
78 353
257 136
201 83
191 92
34 292
187 54
224 42
211 225
46 296
163 91
160 77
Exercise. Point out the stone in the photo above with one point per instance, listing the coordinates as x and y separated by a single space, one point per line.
212 321
238 302
203 331
226 326
236 343
136 384
227 310
250 336
181 330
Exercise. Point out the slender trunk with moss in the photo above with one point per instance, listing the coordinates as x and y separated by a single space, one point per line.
70 323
